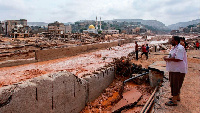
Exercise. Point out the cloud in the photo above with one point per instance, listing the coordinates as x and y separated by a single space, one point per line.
166 11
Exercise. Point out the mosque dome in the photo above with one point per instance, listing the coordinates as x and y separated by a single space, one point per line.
91 27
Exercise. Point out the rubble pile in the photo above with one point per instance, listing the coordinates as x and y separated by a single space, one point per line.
110 99
124 67
26 47
106 100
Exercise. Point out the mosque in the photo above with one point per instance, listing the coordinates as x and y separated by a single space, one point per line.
92 29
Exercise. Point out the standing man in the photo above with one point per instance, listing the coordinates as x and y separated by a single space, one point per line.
136 50
183 43
176 64
144 51
197 45
147 50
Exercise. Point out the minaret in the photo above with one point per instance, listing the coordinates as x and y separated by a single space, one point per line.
100 24
96 23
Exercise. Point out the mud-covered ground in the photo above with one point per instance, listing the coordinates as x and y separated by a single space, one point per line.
190 95
190 91
107 100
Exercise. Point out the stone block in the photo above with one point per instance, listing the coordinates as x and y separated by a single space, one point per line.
23 98
98 82
155 77
44 93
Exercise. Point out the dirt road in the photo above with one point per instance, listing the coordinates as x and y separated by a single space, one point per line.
190 91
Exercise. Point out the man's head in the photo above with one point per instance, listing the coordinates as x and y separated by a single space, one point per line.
175 40
182 39
146 44
135 42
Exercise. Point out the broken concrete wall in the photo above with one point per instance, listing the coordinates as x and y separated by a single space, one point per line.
60 92
16 62
57 93
155 77
157 70
98 82
50 54
18 98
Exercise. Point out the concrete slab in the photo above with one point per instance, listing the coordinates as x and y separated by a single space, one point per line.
157 72
22 99
158 66
130 97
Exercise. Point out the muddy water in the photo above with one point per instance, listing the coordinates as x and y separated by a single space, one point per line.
78 65
110 97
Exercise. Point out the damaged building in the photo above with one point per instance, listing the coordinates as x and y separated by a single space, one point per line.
58 29
16 28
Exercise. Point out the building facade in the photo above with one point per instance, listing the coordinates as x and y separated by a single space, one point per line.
110 31
1 29
56 28
68 29
14 26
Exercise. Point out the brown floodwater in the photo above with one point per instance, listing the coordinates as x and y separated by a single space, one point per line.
109 99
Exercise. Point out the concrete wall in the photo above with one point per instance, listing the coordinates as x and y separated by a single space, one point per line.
60 92
155 77
57 93
98 82
16 62
43 55
157 70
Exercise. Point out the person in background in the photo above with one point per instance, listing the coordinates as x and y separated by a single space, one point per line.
147 49
144 51
176 65
197 45
183 43
136 50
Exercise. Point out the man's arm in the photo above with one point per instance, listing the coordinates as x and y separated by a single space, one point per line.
172 59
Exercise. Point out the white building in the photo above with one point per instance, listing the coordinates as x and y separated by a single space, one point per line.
91 29
95 29
110 31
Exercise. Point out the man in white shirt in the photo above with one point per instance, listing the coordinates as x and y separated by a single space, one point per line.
176 64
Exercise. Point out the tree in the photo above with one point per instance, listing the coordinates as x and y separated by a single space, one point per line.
119 30
190 26
81 30
99 32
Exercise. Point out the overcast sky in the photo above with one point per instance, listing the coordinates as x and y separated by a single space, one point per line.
165 11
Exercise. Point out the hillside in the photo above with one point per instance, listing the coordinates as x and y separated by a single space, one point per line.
183 24
37 23
154 23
